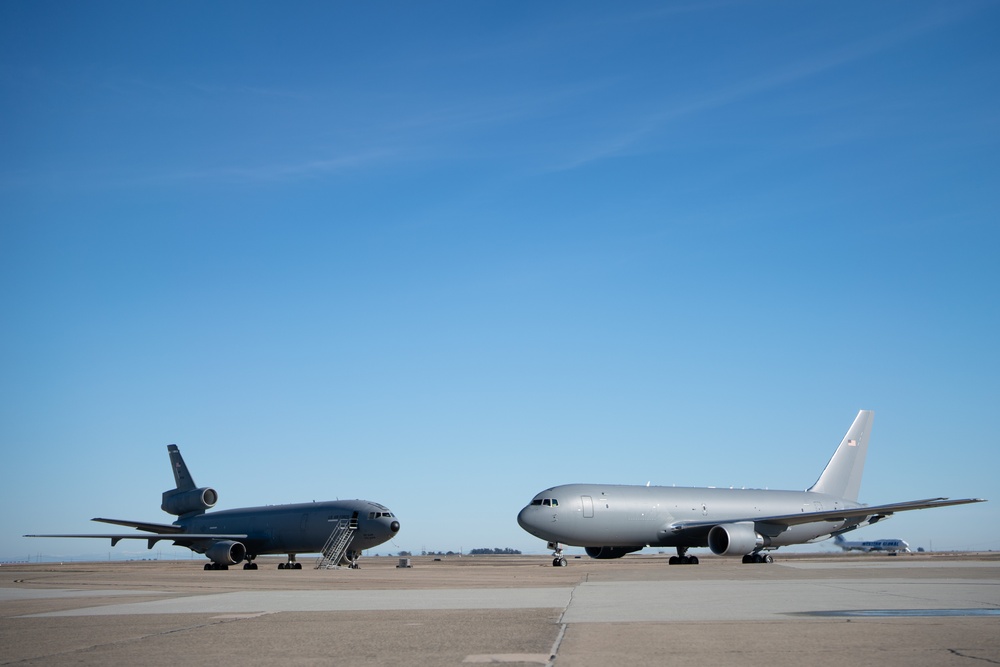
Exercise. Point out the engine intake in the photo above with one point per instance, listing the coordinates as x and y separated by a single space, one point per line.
180 503
734 539
603 553
226 552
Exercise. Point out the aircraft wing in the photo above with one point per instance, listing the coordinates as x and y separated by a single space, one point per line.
874 511
182 539
880 511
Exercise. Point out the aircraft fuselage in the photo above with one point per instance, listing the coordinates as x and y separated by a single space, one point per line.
595 515
296 528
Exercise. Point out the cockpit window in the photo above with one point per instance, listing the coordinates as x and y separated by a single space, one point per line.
536 501
545 502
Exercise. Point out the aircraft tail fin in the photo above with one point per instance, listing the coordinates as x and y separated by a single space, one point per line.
842 475
186 499
181 475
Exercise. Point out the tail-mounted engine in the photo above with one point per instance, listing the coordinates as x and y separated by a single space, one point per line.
603 553
735 539
179 502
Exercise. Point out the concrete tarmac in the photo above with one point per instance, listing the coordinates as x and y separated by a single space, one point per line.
918 609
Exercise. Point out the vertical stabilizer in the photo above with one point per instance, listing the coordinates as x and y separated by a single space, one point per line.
842 475
181 474
185 500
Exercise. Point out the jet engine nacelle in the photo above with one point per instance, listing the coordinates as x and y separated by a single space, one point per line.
226 552
180 503
734 539
603 553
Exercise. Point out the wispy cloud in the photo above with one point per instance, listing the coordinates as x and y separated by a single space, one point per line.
765 82
284 171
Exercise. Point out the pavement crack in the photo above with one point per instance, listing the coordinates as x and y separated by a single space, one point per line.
554 653
958 652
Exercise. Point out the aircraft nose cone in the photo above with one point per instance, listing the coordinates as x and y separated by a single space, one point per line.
394 526
522 517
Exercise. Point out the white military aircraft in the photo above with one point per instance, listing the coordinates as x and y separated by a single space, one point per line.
891 546
610 521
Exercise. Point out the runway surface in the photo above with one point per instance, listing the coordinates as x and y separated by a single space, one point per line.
911 609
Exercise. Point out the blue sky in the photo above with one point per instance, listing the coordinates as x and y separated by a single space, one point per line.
445 256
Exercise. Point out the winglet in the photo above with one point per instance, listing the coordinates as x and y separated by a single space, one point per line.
842 475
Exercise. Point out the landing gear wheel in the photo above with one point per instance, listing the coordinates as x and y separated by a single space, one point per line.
281 566
558 560
682 558
758 558
296 566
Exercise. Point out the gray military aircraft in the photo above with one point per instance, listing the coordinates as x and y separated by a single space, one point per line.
340 529
610 521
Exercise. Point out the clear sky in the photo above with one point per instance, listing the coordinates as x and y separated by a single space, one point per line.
445 255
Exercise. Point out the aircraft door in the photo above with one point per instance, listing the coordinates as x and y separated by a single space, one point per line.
588 507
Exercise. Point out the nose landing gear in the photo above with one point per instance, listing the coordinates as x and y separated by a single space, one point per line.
558 560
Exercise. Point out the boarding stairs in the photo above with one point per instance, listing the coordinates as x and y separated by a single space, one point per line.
336 545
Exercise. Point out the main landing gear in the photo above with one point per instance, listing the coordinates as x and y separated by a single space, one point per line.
292 564
682 558
248 565
757 557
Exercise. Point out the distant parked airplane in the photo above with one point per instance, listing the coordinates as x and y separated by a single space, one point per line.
613 520
891 546
340 530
